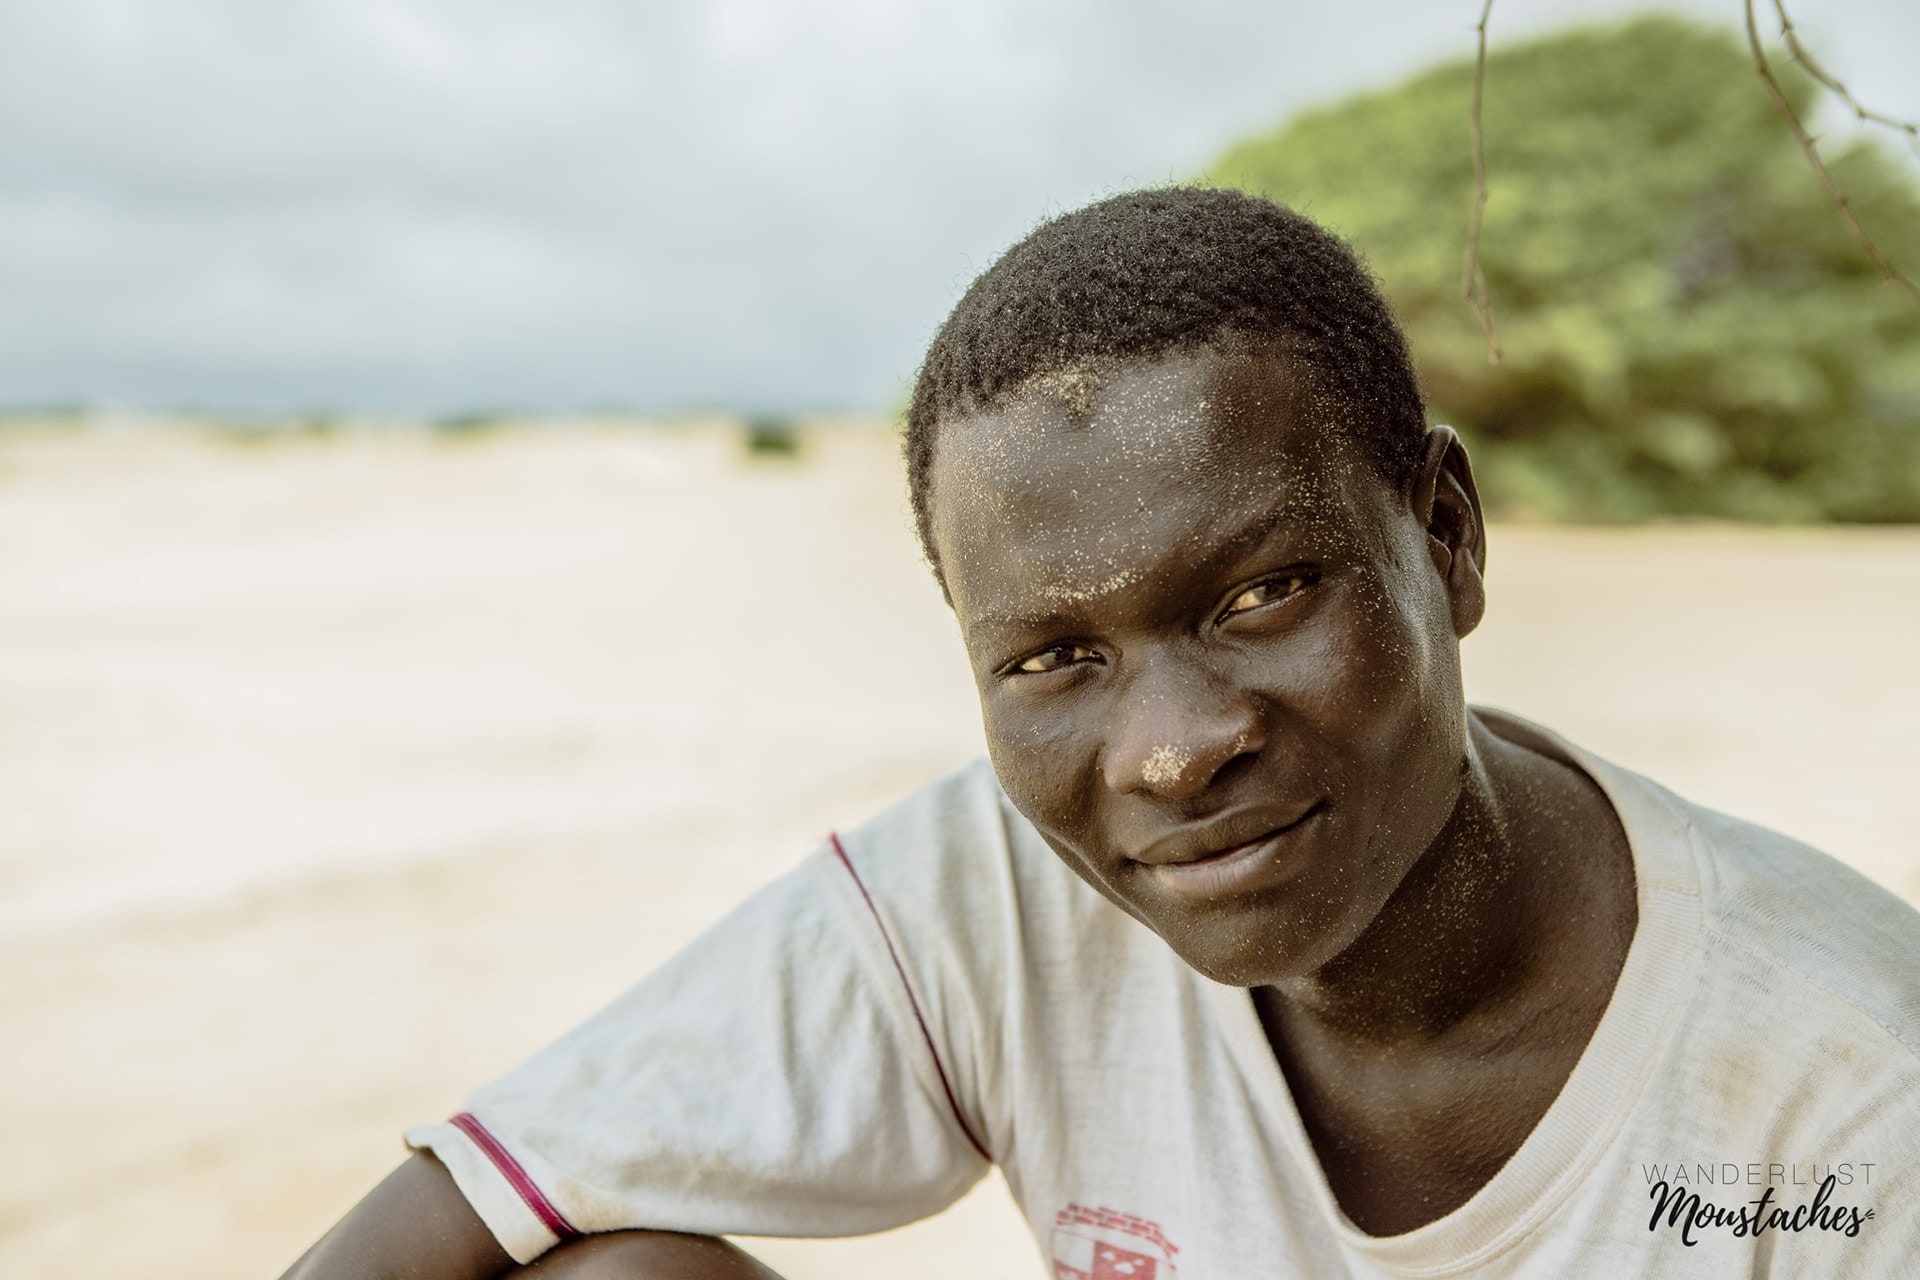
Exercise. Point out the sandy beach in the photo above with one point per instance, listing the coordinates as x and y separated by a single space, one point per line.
341 771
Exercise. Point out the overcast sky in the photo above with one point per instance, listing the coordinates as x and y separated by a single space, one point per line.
447 205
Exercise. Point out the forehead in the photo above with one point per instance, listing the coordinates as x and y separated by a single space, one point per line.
1084 482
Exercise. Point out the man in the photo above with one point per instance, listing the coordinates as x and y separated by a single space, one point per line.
1256 951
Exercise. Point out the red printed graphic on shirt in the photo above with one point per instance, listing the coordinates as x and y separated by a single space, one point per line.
1101 1244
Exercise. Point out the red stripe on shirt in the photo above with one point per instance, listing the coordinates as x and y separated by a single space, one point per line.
893 952
516 1176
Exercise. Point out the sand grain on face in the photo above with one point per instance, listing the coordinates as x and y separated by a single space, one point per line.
1165 765
1050 450
1074 387
1067 591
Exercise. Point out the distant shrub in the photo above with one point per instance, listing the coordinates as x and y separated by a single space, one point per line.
470 424
1687 326
772 438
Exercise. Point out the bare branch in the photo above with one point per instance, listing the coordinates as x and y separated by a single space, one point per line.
1764 70
1473 281
1833 82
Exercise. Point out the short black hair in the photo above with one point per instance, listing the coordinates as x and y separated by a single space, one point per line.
1148 274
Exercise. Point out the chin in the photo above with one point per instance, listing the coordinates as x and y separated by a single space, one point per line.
1236 971
1246 957
1245 971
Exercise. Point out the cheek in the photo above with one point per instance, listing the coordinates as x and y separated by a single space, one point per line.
1367 675
1043 761
1408 680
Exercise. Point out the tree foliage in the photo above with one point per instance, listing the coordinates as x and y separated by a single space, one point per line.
1687 326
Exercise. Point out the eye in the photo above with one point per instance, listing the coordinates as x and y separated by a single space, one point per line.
1262 593
1060 655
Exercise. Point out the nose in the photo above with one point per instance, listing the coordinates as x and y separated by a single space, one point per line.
1177 728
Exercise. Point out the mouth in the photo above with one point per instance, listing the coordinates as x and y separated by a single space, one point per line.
1266 859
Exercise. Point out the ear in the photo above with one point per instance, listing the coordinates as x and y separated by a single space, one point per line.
1447 505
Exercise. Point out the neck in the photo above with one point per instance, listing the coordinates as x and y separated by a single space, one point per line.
1460 931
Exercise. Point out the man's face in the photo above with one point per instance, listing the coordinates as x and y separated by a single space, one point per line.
1217 654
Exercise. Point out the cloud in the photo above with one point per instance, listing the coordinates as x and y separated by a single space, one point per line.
434 205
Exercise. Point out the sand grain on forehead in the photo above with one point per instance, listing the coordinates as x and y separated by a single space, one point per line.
1097 449
1073 387
1032 436
1066 592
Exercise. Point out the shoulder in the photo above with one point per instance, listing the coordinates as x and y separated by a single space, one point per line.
954 867
1787 925
1813 919
940 828
1781 923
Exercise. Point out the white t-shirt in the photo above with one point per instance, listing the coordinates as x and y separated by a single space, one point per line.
850 1048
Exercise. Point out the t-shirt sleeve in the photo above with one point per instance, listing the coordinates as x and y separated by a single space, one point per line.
775 1078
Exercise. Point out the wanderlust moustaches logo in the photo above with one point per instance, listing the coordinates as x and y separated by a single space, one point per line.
1680 1192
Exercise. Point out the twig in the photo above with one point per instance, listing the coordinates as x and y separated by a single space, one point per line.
1833 83
1888 271
1473 281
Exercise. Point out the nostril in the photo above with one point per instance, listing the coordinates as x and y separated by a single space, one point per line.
1240 760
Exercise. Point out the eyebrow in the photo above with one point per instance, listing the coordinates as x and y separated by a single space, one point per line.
1258 531
1227 550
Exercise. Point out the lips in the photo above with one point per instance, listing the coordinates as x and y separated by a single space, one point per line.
1242 852
1217 839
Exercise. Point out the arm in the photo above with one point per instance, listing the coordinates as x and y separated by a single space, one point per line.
646 1255
417 1226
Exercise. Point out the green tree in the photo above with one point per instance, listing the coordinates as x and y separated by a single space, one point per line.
1686 325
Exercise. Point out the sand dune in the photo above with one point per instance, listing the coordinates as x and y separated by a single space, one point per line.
339 773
